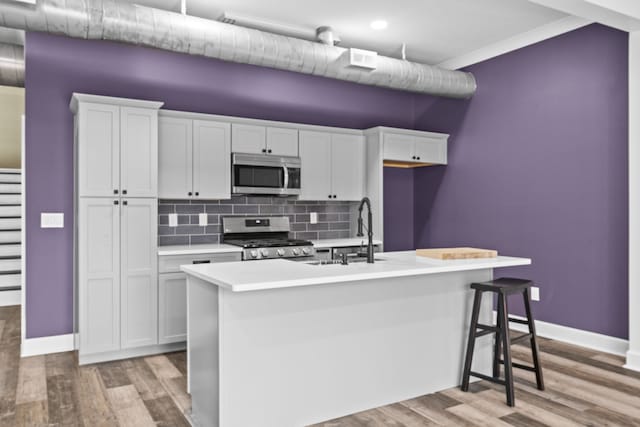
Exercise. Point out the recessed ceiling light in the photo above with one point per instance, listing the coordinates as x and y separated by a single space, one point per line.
379 24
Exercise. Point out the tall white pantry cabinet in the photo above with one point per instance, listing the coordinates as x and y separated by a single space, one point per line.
116 208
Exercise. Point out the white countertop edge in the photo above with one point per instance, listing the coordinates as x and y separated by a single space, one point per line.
260 286
197 249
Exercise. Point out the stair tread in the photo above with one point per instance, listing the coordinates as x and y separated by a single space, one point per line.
11 237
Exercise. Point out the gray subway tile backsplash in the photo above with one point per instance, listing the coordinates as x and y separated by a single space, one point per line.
334 218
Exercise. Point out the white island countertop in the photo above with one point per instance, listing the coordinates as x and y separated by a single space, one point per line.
278 273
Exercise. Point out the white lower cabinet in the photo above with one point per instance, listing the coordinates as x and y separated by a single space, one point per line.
172 306
172 292
117 276
98 275
139 273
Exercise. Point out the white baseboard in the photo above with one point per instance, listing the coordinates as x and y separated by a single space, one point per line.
633 360
46 345
574 336
10 298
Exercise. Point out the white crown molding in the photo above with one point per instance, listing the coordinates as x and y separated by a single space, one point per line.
574 336
519 41
47 345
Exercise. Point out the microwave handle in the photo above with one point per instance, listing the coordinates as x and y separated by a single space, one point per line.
286 177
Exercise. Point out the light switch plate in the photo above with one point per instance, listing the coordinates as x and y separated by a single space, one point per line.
313 217
173 220
202 219
51 220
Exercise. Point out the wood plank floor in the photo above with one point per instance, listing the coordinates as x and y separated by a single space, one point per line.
584 388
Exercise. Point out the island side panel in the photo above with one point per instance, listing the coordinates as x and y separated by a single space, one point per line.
299 356
203 351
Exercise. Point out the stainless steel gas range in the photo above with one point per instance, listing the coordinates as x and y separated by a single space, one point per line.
264 238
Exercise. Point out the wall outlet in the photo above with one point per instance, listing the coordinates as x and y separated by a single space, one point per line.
203 219
173 220
535 293
313 217
51 220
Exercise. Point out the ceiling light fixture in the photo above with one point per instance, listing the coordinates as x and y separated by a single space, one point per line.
379 24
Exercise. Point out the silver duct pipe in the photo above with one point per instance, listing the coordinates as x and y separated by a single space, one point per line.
130 23
11 65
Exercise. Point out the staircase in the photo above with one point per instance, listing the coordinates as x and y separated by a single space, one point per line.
10 236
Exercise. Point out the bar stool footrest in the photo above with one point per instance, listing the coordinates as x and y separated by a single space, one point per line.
485 332
520 366
521 321
487 378
520 338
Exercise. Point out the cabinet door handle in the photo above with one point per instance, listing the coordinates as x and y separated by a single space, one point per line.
205 261
115 191
418 157
264 150
334 196
197 193
414 157
329 195
190 193
115 202
124 202
269 151
124 191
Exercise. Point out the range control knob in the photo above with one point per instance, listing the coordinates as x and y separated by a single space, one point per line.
254 254
264 253
280 252
305 251
296 251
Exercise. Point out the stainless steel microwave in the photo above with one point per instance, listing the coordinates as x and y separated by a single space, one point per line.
265 174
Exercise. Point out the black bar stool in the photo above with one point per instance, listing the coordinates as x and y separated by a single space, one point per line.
503 287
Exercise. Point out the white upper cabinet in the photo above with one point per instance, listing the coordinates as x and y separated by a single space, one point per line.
414 148
175 153
398 146
138 152
98 133
194 159
255 139
347 166
116 146
315 169
211 160
282 141
332 166
248 138
431 150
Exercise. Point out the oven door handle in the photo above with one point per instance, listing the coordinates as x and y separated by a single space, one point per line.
286 176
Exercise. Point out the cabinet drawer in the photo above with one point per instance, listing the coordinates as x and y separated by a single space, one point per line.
172 263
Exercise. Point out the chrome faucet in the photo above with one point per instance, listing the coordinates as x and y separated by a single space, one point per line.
366 201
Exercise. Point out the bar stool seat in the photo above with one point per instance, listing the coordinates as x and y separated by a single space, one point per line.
503 287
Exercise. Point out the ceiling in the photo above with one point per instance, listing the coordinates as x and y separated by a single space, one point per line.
433 30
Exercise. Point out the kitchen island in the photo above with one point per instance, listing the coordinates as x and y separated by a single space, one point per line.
277 343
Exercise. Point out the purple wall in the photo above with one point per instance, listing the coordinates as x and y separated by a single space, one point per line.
537 159
58 66
398 209
538 168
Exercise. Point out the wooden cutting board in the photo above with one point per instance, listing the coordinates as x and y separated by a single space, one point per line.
456 253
